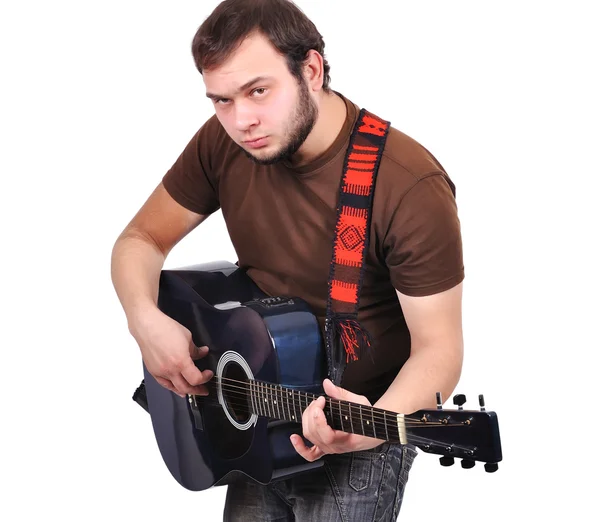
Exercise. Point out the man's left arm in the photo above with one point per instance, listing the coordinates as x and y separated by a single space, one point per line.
434 365
436 356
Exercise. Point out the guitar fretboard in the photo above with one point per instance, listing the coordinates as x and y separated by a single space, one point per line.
277 402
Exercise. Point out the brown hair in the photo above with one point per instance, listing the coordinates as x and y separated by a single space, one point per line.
283 23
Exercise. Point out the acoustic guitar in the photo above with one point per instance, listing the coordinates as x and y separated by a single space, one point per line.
268 359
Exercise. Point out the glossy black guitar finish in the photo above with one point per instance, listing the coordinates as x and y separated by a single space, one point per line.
269 363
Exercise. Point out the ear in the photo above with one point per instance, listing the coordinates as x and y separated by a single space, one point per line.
313 70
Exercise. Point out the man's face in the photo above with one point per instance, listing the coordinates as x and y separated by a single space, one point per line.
260 104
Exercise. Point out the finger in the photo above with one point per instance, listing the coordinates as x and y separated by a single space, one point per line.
198 352
184 387
315 427
310 454
323 432
309 414
168 385
336 392
192 374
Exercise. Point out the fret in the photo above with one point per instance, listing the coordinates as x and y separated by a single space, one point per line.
362 425
328 413
266 400
272 401
300 407
373 421
254 394
258 401
282 414
387 433
261 406
257 398
252 397
298 403
275 402
337 422
347 412
281 403
341 416
287 398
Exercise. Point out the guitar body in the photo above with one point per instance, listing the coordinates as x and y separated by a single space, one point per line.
209 441
269 363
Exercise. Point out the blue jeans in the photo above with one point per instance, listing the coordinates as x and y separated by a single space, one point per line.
362 486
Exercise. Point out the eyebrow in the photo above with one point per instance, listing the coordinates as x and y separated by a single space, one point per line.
247 85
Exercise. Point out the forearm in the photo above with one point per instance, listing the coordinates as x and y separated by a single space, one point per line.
427 371
135 270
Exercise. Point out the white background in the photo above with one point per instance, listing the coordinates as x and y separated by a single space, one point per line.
98 99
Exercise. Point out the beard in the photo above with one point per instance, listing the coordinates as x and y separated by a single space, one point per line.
302 122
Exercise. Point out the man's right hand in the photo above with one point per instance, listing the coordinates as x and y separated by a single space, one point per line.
168 352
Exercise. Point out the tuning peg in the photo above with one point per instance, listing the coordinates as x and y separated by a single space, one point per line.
459 400
438 398
481 403
490 467
467 463
446 461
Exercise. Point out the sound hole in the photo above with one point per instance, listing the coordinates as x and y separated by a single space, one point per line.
236 392
227 442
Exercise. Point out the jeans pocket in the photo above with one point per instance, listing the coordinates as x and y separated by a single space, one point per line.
408 456
361 470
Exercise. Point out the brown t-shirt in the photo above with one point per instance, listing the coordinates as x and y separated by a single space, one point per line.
281 222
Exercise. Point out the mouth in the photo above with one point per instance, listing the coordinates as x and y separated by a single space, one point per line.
256 143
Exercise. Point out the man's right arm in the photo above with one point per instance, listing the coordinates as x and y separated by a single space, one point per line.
138 256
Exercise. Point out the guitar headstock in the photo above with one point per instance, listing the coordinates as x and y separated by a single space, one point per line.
472 435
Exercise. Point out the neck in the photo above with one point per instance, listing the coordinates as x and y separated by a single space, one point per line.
276 402
330 120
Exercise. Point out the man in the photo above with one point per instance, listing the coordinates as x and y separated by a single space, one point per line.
272 158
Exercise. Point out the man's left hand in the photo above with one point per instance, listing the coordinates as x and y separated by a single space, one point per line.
326 440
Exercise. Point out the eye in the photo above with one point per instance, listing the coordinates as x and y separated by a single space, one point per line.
222 101
260 91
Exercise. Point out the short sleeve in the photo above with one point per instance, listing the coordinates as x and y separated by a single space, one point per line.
423 246
190 180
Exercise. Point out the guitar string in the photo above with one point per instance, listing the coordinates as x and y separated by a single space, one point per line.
382 424
381 415
242 408
282 392
410 437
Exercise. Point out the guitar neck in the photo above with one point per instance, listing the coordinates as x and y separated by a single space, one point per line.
278 402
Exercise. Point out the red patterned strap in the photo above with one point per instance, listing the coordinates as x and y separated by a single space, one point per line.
351 242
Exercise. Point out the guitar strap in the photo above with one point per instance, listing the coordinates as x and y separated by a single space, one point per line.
345 337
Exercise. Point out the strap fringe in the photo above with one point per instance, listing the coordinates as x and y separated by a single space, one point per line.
353 336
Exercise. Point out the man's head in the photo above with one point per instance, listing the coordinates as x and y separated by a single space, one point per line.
263 66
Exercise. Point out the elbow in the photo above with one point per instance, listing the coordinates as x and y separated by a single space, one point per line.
134 235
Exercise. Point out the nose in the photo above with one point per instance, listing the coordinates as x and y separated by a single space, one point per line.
245 117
